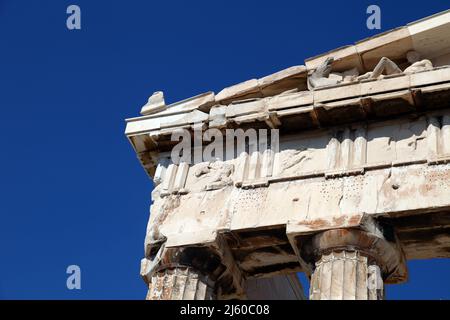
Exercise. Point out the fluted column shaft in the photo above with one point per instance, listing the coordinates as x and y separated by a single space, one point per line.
346 275
353 263
180 283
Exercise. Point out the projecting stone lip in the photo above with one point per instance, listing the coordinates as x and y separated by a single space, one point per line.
282 75
255 88
246 87
202 102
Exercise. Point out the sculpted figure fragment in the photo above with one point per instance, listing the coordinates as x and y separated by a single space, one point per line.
218 174
323 76
417 64
387 67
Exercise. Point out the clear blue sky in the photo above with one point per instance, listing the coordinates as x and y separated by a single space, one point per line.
71 189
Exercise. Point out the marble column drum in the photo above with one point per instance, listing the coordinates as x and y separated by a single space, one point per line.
346 275
180 283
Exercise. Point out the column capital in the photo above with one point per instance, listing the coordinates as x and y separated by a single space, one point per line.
212 262
385 253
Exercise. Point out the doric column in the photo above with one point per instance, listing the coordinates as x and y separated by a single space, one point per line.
351 264
346 275
192 273
180 283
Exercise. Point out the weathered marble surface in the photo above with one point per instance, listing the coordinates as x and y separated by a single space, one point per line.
352 149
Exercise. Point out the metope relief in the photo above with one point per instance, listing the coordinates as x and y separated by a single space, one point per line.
301 156
210 176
